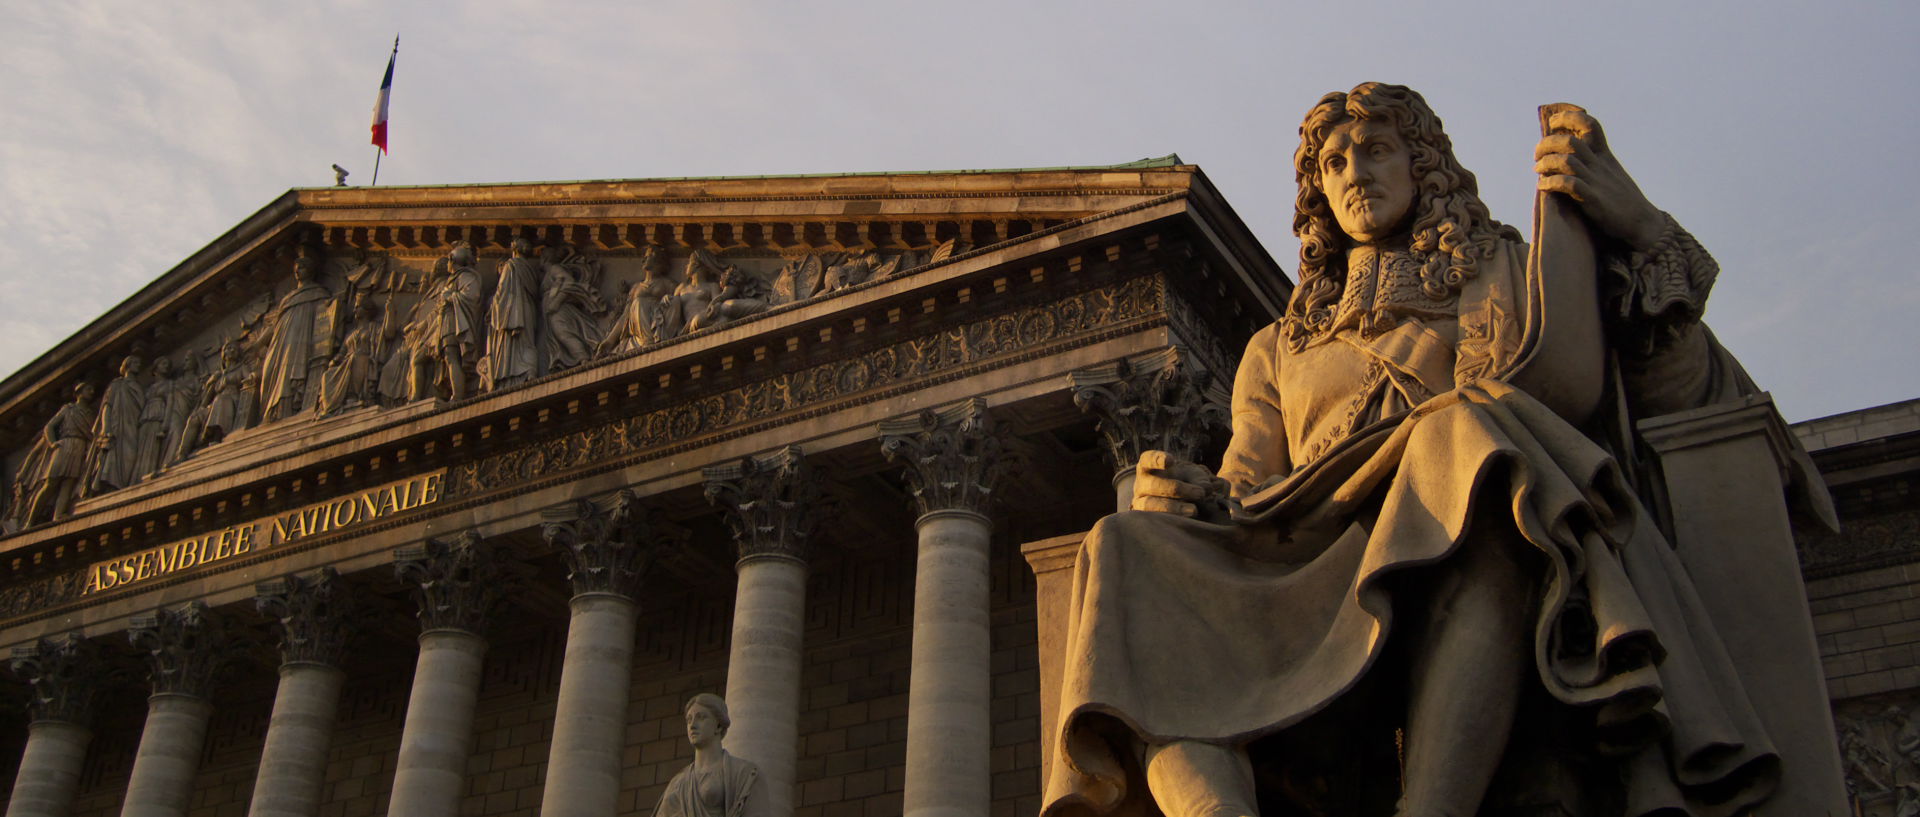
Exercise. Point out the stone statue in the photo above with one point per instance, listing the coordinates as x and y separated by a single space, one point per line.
443 336
69 436
514 327
857 268
716 784
352 376
740 294
571 303
290 345
162 413
699 286
1410 530
116 432
799 279
641 322
227 403
188 389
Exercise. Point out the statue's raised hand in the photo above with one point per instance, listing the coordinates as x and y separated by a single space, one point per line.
1168 484
1573 159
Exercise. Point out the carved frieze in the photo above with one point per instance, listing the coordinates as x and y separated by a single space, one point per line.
185 646
1083 314
607 548
1154 402
456 581
954 456
313 615
65 674
773 503
1880 753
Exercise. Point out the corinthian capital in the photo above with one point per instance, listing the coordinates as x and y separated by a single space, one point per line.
954 456
185 646
456 580
608 548
1153 402
65 674
312 612
773 503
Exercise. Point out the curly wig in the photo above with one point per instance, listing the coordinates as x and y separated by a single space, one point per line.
1451 231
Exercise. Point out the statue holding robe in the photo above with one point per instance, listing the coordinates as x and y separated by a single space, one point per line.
290 348
715 784
116 432
514 330
68 437
641 322
162 412
570 304
442 337
1415 521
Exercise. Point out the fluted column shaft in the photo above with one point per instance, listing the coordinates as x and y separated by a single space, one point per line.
162 781
312 614
456 582
49 770
774 503
185 648
64 674
293 764
763 671
438 732
954 458
949 700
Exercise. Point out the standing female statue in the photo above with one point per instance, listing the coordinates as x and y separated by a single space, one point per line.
716 784
1419 522
116 432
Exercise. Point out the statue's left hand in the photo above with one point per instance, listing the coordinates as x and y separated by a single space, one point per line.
1574 159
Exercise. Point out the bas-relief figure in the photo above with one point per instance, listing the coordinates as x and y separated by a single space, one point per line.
290 350
715 784
514 345
352 377
1413 508
570 302
444 335
1881 754
641 322
226 402
162 414
62 463
113 463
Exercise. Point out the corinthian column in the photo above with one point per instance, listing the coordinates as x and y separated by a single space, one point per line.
456 581
607 551
1151 402
65 674
311 615
953 458
184 647
773 503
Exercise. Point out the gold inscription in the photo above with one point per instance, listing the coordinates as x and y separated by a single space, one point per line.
240 540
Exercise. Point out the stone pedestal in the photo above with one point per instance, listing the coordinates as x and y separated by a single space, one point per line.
456 582
1725 469
1052 563
773 504
606 559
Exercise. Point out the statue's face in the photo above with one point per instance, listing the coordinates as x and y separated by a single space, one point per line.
1367 174
463 256
703 727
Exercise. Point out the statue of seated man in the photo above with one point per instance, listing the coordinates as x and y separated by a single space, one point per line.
1414 529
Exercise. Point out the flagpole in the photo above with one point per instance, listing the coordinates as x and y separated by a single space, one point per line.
380 113
376 167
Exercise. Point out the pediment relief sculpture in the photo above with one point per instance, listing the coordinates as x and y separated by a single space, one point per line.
348 331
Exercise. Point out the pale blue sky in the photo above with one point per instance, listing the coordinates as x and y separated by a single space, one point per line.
1781 134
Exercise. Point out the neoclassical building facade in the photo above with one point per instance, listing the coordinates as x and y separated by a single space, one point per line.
445 500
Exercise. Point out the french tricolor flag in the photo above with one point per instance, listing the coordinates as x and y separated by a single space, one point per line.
380 105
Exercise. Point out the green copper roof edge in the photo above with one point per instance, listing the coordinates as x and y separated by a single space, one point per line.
1149 163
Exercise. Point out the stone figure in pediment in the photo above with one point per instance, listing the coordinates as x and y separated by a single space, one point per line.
442 338
227 402
856 268
799 279
698 288
640 322
1417 527
116 432
514 323
162 414
740 294
570 299
290 349
715 784
69 438
352 376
